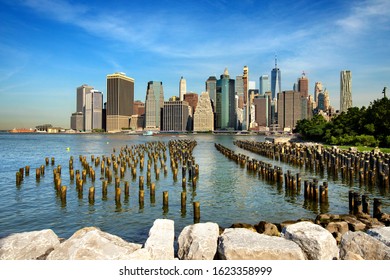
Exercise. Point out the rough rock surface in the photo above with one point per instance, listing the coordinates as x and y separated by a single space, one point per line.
160 240
91 243
28 245
243 244
316 242
382 234
267 228
359 244
198 241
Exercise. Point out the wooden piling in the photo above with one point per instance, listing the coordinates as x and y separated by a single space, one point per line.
27 170
366 204
152 193
127 189
377 213
196 206
91 195
141 182
165 199
104 189
117 194
38 173
183 201
63 193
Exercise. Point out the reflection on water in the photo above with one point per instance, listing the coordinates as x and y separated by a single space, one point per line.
228 193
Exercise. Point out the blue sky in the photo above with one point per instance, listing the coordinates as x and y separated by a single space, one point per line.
50 47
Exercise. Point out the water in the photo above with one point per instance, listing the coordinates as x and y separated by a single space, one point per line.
227 192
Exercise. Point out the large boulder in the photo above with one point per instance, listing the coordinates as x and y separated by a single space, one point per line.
244 244
28 245
382 234
361 245
198 241
91 243
160 240
316 242
267 228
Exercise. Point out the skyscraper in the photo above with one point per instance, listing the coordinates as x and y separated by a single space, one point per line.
80 102
303 85
247 101
120 99
291 108
264 84
153 104
239 89
93 112
175 115
211 88
275 80
317 90
226 113
204 115
345 90
182 88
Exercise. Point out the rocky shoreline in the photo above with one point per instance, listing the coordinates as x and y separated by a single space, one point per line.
328 237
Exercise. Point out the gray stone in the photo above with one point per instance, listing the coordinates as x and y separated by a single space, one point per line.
91 243
382 234
198 241
160 240
28 245
361 244
243 244
315 241
340 227
267 228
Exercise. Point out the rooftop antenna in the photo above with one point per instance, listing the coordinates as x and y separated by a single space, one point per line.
384 91
276 61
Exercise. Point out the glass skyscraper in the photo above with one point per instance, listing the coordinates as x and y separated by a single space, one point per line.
275 80
153 104
226 113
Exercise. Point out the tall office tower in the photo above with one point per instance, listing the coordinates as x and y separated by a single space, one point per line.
77 121
239 89
264 84
303 85
317 90
262 104
226 96
326 100
80 102
345 90
211 88
290 109
139 108
153 105
275 80
120 99
175 115
192 99
93 113
204 115
247 101
321 101
182 88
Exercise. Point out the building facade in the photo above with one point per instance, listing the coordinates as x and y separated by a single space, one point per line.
211 88
264 84
175 116
345 90
303 85
204 115
226 102
290 109
182 88
262 105
276 79
153 105
93 112
120 99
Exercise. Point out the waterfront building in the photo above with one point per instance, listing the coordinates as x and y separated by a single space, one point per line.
264 84
77 121
93 112
262 105
290 109
226 113
120 99
136 122
175 115
182 88
204 115
211 88
154 104
80 99
139 108
275 80
192 99
345 90
239 89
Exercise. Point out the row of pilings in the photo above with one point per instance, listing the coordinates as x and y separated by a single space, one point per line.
366 168
151 156
272 174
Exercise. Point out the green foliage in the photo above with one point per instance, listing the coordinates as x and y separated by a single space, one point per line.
361 127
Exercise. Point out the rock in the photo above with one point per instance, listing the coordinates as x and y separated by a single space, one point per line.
198 241
141 254
315 241
243 244
341 227
382 234
282 225
243 225
90 243
353 223
363 245
28 245
160 240
267 228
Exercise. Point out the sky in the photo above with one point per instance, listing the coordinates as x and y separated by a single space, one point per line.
48 48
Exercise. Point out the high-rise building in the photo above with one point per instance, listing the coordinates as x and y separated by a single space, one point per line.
345 90
262 104
247 101
93 112
175 116
80 102
204 115
326 100
192 99
264 84
182 88
139 108
153 105
290 109
239 89
77 121
303 85
120 99
211 88
226 113
317 90
275 80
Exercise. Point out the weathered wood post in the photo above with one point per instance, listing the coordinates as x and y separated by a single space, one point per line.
183 202
63 193
117 194
196 206
127 190
377 208
366 204
104 189
91 195
152 193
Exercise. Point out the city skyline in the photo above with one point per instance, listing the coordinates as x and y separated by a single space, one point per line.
49 48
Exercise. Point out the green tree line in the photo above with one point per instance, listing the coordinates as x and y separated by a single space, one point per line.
358 127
